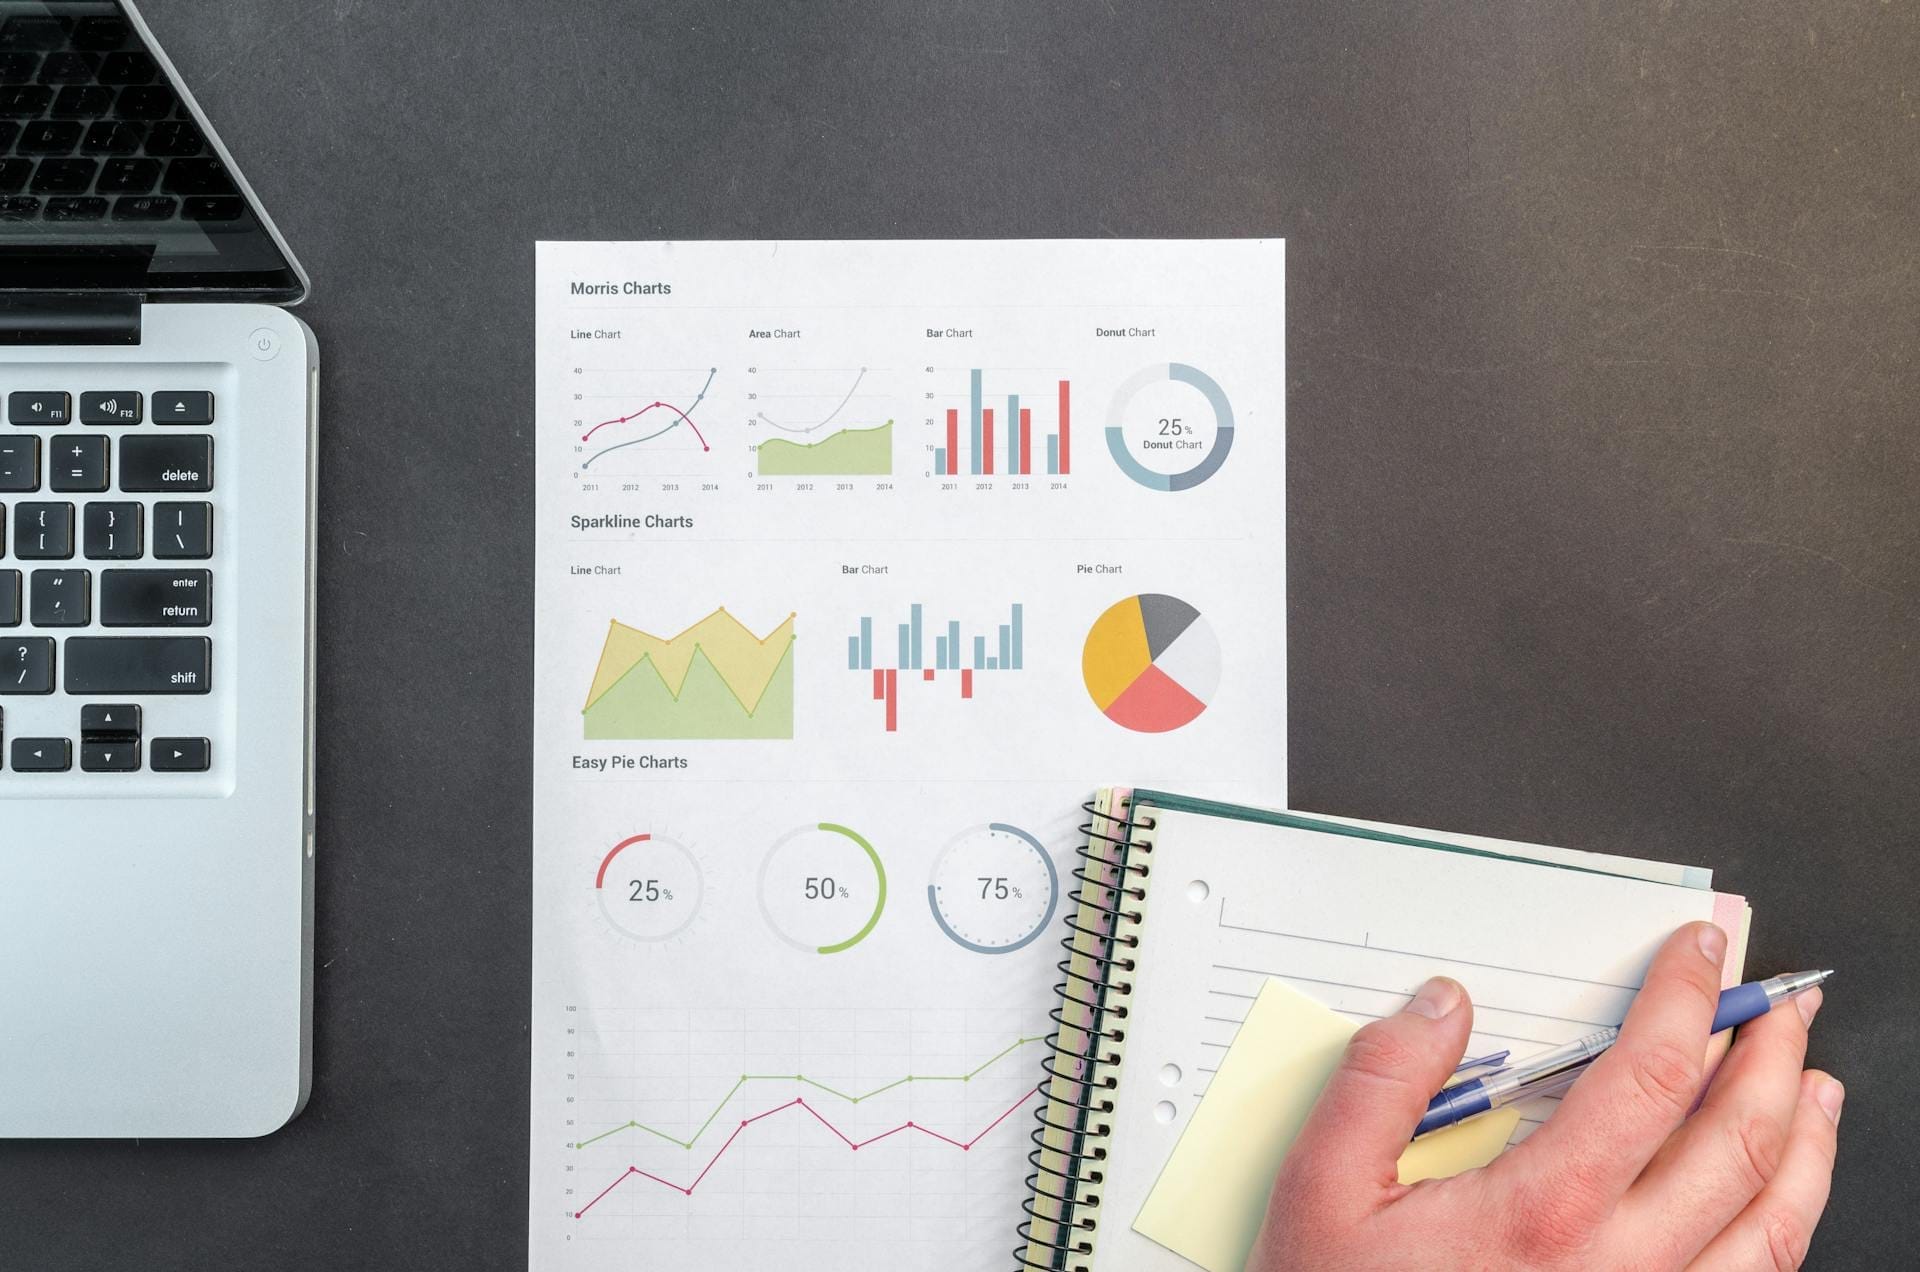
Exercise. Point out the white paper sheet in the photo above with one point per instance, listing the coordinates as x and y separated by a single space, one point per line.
746 446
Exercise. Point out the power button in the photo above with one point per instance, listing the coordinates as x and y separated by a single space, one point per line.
264 343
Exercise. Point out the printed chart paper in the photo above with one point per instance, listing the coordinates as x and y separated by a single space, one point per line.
860 566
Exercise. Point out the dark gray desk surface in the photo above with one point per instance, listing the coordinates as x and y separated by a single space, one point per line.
1602 482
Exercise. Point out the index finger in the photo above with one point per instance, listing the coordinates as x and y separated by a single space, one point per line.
1620 1112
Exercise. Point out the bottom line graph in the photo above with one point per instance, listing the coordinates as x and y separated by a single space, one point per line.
800 1102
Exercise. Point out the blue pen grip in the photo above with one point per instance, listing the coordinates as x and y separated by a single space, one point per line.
1739 1005
1454 1104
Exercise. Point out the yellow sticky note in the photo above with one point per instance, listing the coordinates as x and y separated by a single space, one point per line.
1210 1198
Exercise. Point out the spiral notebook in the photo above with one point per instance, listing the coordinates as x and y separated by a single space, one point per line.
1186 909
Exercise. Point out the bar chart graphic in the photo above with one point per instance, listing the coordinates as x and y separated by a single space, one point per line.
985 437
958 652
716 679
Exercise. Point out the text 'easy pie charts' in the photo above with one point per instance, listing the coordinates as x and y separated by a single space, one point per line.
1151 663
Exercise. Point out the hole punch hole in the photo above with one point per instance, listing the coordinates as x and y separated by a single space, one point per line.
1197 891
1163 1112
1169 1075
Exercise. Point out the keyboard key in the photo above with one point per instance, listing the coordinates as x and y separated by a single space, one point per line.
19 464
109 721
13 172
182 531
26 665
188 176
112 137
111 531
29 407
67 68
106 31
18 68
42 755
134 665
183 408
110 757
82 101
64 176
156 598
144 102
126 68
62 598
19 207
145 207
118 407
49 137
128 176
169 139
79 463
166 464
9 598
33 31
212 208
76 208
181 755
26 101
43 531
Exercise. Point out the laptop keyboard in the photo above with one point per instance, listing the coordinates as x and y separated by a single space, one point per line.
90 131
107 580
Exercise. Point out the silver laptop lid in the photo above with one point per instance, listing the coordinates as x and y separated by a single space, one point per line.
111 179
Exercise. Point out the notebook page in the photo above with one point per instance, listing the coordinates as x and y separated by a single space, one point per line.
1548 954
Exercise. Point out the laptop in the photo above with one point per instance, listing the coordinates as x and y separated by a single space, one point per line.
156 604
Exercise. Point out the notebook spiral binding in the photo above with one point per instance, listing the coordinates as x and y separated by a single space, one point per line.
1084 1050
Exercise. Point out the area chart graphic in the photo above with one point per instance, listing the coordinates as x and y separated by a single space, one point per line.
1151 663
716 679
852 452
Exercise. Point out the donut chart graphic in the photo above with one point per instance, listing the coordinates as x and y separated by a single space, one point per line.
1151 663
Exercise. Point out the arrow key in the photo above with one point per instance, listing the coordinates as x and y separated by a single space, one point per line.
42 755
109 722
109 757
181 755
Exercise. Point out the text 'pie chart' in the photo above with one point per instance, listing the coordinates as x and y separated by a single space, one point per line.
1151 663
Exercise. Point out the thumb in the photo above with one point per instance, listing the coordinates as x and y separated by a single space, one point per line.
1369 1108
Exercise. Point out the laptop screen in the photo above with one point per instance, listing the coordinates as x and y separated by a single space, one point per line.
109 178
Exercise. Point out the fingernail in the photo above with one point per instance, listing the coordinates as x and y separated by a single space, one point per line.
1831 1095
1713 943
1437 998
1809 1004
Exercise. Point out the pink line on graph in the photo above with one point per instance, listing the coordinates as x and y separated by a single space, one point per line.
687 1189
687 419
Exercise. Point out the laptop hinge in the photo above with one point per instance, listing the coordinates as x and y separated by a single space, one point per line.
68 318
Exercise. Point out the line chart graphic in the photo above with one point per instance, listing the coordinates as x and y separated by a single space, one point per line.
678 430
716 679
803 1080
853 1145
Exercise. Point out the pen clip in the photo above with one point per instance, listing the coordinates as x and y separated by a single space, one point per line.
1493 1061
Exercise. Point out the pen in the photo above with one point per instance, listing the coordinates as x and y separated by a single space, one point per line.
1554 1071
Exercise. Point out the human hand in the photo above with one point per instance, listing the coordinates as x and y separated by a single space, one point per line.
1627 1173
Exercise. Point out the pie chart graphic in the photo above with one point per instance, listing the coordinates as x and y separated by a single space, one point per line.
1151 663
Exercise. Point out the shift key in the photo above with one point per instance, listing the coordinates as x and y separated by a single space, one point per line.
102 665
167 464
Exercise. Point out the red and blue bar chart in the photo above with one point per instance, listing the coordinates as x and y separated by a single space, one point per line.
1015 434
964 654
